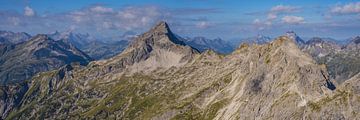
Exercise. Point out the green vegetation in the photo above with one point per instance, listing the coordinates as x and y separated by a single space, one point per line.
267 59
214 108
17 113
341 96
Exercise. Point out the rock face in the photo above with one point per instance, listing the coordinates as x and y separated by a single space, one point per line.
21 61
160 77
203 44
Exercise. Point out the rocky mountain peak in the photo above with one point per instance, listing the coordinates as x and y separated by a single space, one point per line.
159 36
284 41
159 31
158 47
292 35
161 27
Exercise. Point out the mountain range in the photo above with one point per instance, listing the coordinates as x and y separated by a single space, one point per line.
203 44
8 37
95 48
160 76
259 39
19 62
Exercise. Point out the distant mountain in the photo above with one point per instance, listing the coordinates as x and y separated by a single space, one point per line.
337 41
127 36
95 48
8 37
77 39
259 39
40 53
354 43
202 44
104 50
342 62
292 35
320 47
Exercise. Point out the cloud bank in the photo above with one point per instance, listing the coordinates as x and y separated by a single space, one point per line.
29 11
350 8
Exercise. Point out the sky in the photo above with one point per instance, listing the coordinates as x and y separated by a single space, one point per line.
227 19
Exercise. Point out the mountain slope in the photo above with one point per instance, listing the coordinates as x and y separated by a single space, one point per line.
22 61
159 77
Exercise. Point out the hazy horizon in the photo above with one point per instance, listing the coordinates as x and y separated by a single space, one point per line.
209 18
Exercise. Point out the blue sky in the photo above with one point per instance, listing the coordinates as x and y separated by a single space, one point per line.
211 18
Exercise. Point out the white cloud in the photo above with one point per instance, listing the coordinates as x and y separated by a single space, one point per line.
101 9
127 18
258 24
279 9
29 11
283 9
351 8
100 19
138 17
257 21
203 25
272 15
293 20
